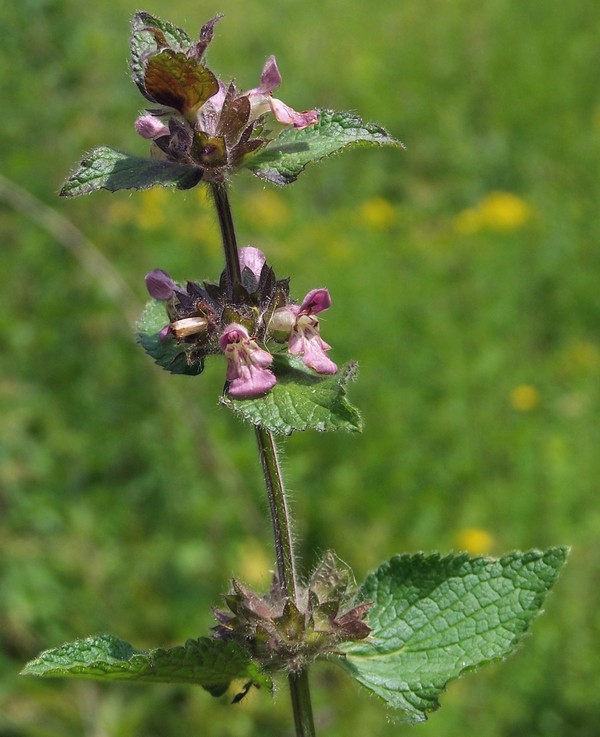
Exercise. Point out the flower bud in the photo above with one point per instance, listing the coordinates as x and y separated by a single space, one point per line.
281 324
150 127
159 285
188 326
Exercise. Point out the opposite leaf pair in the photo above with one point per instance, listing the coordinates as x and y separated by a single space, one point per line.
432 618
204 130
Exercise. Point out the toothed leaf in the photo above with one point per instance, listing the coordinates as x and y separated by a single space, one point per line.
284 158
301 400
435 617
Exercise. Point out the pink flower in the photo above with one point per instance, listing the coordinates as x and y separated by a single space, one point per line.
302 327
160 285
261 100
150 127
247 364
253 259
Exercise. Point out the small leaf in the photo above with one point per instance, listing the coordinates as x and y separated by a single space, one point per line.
149 35
107 168
212 664
301 400
179 82
285 158
167 353
436 617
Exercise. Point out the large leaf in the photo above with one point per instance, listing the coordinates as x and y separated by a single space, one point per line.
435 617
212 664
284 158
149 35
301 400
107 168
167 353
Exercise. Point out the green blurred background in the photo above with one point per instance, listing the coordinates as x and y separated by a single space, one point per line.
464 276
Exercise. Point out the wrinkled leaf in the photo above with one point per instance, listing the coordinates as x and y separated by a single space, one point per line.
179 82
285 158
167 353
436 617
212 664
149 35
301 400
107 168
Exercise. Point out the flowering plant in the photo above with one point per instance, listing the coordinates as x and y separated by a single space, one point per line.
416 622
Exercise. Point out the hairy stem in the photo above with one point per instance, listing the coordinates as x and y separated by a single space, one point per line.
232 261
284 552
301 704
286 571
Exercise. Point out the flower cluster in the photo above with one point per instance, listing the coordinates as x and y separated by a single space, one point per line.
281 633
204 320
200 121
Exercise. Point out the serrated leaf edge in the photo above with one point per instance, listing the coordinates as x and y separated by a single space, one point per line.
414 718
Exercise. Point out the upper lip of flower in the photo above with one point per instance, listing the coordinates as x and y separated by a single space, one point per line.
261 100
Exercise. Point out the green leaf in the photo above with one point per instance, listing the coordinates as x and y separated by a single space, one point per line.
301 400
107 168
149 35
285 158
167 353
435 617
212 664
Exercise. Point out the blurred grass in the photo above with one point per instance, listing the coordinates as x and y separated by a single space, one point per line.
464 275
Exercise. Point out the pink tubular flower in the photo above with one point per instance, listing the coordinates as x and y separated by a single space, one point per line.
253 259
247 364
150 127
262 100
303 330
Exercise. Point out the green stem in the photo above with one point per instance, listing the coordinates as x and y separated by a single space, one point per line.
284 552
301 704
286 573
232 260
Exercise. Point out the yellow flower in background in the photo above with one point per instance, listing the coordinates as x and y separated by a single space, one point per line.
500 211
121 211
268 208
475 540
581 356
524 398
378 213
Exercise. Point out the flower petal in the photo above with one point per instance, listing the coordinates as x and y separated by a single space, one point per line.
160 285
252 382
306 342
316 301
288 116
253 259
209 114
270 78
150 127
246 363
